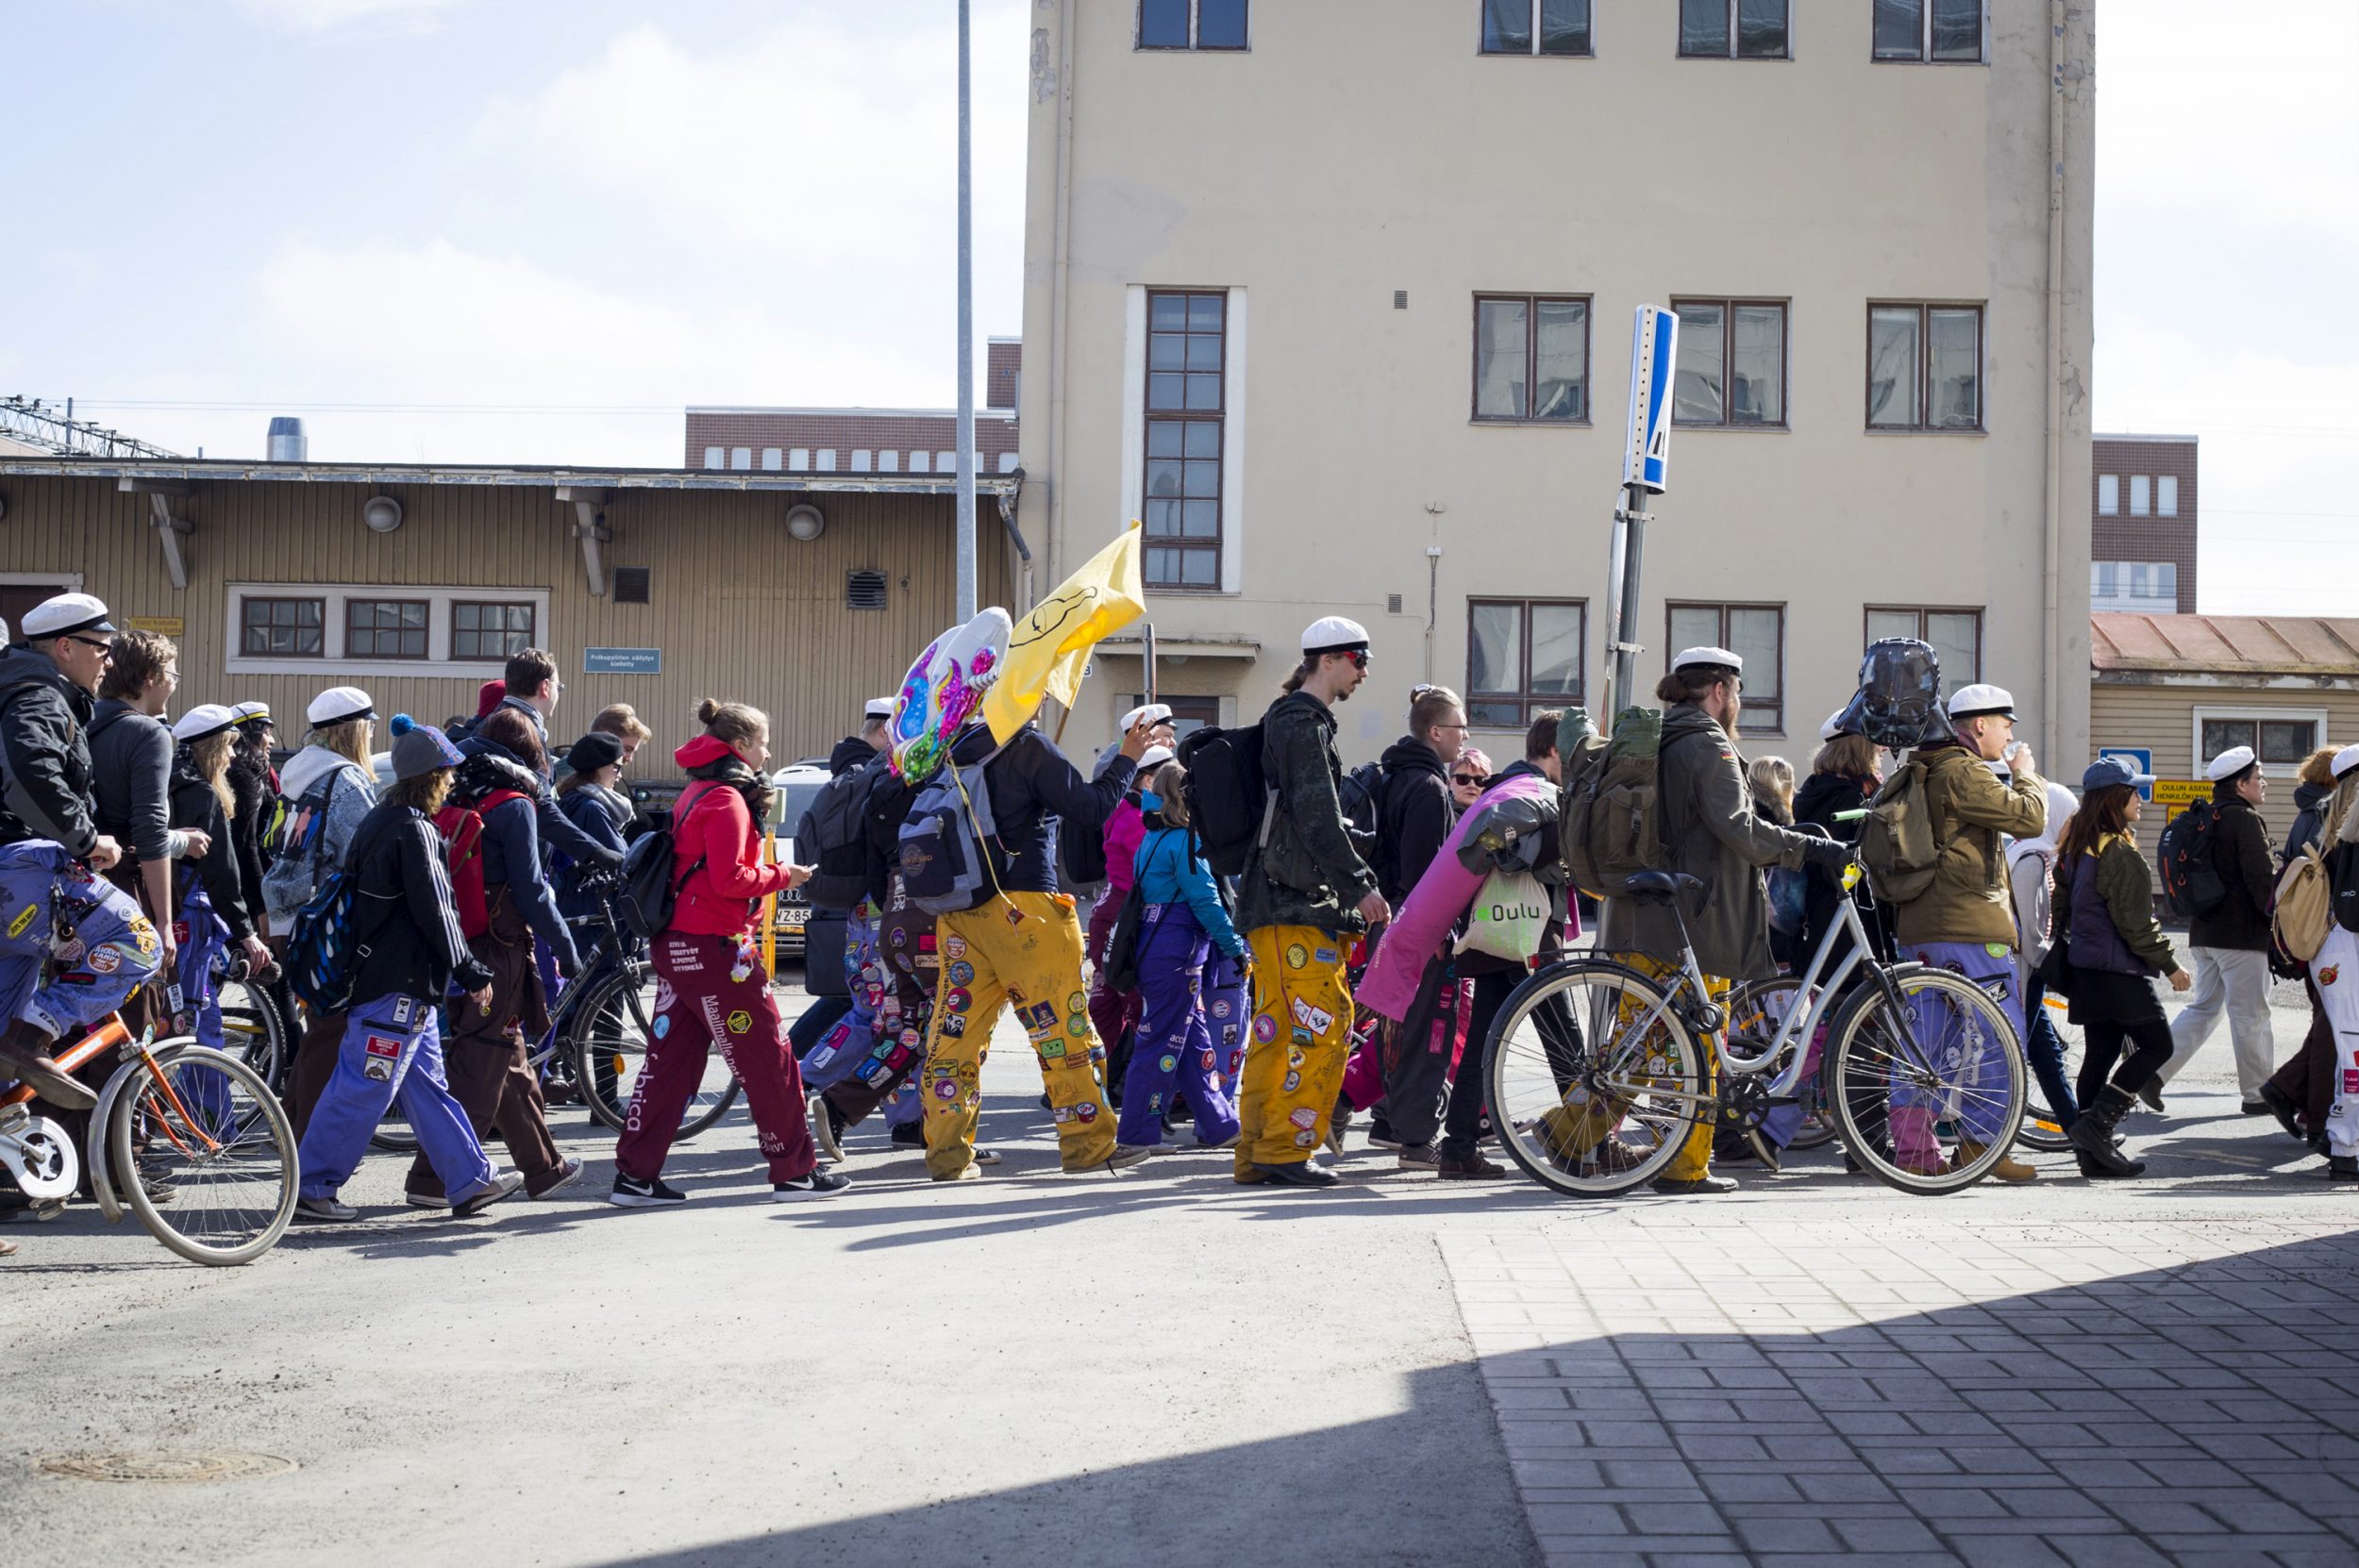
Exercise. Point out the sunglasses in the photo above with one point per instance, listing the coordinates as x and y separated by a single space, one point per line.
1470 778
100 644
1359 657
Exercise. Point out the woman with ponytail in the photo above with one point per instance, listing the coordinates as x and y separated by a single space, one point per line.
711 989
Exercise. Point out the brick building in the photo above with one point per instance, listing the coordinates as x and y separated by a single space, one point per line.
863 440
2142 534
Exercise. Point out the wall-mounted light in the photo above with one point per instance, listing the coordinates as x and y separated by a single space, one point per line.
382 513
805 522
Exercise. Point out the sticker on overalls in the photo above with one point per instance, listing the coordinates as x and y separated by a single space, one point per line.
1264 1028
1317 1020
1326 954
1077 1002
739 1021
404 1006
662 1025
1303 1116
1294 1081
962 973
1297 955
954 948
105 958
2331 973
953 1026
1085 1113
1170 1064
380 1055
1305 1139
23 920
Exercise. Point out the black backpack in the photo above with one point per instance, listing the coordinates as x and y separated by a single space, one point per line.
832 838
2192 886
1230 802
651 878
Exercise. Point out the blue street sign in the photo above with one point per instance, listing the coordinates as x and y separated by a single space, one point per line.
1653 355
2140 758
622 662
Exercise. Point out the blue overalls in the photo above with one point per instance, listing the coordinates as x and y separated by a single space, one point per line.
201 938
392 1049
72 946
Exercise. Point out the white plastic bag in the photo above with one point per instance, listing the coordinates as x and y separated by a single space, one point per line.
1511 911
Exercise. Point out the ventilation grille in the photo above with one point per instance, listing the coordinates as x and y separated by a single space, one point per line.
631 585
1392 604
863 591
1400 299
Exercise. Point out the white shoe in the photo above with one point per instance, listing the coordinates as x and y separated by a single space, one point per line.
822 1129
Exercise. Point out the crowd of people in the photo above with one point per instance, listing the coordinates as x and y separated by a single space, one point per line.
1257 1014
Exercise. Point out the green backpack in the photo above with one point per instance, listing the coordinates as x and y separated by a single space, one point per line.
1897 841
1608 821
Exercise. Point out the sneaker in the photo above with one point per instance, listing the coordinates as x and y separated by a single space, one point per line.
1471 1167
324 1212
1228 1143
984 1156
564 1175
2342 1167
1128 1155
1380 1136
1299 1174
971 1173
909 1135
1418 1157
504 1185
632 1192
50 1081
2254 1108
426 1200
2151 1095
1702 1185
819 1184
821 1116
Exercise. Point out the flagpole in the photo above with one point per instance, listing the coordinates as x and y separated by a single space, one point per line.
966 329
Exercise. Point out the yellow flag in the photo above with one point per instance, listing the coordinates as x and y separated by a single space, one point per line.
1049 649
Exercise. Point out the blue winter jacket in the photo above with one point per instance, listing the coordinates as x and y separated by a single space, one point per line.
1168 874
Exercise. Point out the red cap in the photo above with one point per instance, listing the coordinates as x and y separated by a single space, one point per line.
489 695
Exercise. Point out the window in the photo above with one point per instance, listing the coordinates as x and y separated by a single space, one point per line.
946 462
2141 495
2166 495
1532 358
2281 737
1522 656
827 459
1536 27
1191 24
714 456
1732 29
492 628
888 462
741 458
1186 342
1007 461
860 461
917 462
1756 634
798 459
1956 636
385 628
1943 32
1732 362
2147 587
773 459
1924 367
282 628
2109 495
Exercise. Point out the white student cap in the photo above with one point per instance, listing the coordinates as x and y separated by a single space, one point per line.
337 703
65 614
1972 702
2229 763
1689 657
1333 634
206 718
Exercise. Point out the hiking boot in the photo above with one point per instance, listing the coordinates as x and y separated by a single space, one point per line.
504 1185
1418 1157
2008 1169
819 1184
2093 1136
2281 1104
1472 1167
654 1192
1298 1174
325 1210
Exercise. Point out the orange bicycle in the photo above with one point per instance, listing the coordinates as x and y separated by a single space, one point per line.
188 1139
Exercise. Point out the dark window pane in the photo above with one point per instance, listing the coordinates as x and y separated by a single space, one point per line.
1164 436
1756 365
1699 382
1162 24
1899 29
1165 391
1507 26
466 617
1495 716
1204 312
1958 29
1162 519
1563 26
1694 627
1203 478
1892 367
1754 636
1203 439
1495 651
1761 30
1561 378
1162 478
1204 394
1500 328
1220 23
1956 637
1200 519
1167 351
1703 26
1163 567
1199 569
2286 740
1556 639
2225 735
1204 352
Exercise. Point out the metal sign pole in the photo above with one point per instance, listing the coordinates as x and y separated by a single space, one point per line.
1147 638
966 331
1646 466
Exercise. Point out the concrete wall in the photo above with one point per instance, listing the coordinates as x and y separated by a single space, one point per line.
1363 146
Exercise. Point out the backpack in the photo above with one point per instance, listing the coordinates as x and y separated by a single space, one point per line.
650 888
322 944
2302 912
1897 845
1361 796
947 841
2192 886
1609 827
294 828
832 838
1231 804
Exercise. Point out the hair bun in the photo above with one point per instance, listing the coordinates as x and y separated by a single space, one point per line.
707 712
403 724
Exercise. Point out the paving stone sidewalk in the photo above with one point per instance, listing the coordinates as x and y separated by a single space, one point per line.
2096 1393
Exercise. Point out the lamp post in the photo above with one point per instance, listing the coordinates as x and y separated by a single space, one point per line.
966 331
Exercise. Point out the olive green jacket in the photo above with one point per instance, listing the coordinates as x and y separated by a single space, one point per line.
1971 811
1307 871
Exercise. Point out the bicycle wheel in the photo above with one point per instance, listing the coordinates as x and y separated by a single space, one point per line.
1756 1011
205 1131
1946 1058
2043 1130
610 1047
252 1029
1594 1082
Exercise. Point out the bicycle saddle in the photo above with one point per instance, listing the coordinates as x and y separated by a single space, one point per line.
1661 886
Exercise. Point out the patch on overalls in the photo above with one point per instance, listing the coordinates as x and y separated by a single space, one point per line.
1297 955
105 958
24 921
1038 1018
1326 954
404 1008
2331 973
1077 1002
662 1025
1220 1009
1208 1059
962 973
953 1026
144 934
1293 1082
945 1089
1317 1020
1996 949
1170 1064
381 1053
739 1021
961 999
954 948
1264 1028
1053 1049
1085 1113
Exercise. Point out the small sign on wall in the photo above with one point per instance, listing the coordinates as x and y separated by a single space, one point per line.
2141 759
164 626
622 662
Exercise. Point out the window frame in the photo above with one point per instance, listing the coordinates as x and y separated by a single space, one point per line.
239 621
1924 368
532 633
426 633
1982 632
1728 306
2317 718
1535 52
1532 304
1218 544
1528 701
1195 18
1746 724
1924 55
1679 39
2103 509
2124 603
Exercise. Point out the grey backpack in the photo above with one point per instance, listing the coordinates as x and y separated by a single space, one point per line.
949 837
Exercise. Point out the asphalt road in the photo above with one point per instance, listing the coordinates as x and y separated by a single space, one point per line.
1159 1368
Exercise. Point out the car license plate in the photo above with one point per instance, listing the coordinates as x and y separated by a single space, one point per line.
794 914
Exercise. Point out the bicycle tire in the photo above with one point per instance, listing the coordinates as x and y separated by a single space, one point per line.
610 1038
1542 1114
1753 1017
261 1118
1860 1061
252 1029
2043 1130
392 1133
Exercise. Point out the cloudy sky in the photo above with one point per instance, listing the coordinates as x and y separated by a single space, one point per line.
533 230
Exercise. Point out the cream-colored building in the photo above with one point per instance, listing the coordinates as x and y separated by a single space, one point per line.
1344 315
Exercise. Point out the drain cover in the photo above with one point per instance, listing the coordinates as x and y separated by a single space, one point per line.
148 1466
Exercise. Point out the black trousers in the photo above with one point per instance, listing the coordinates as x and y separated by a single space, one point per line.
2101 1045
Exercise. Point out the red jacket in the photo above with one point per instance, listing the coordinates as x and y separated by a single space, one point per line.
720 897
